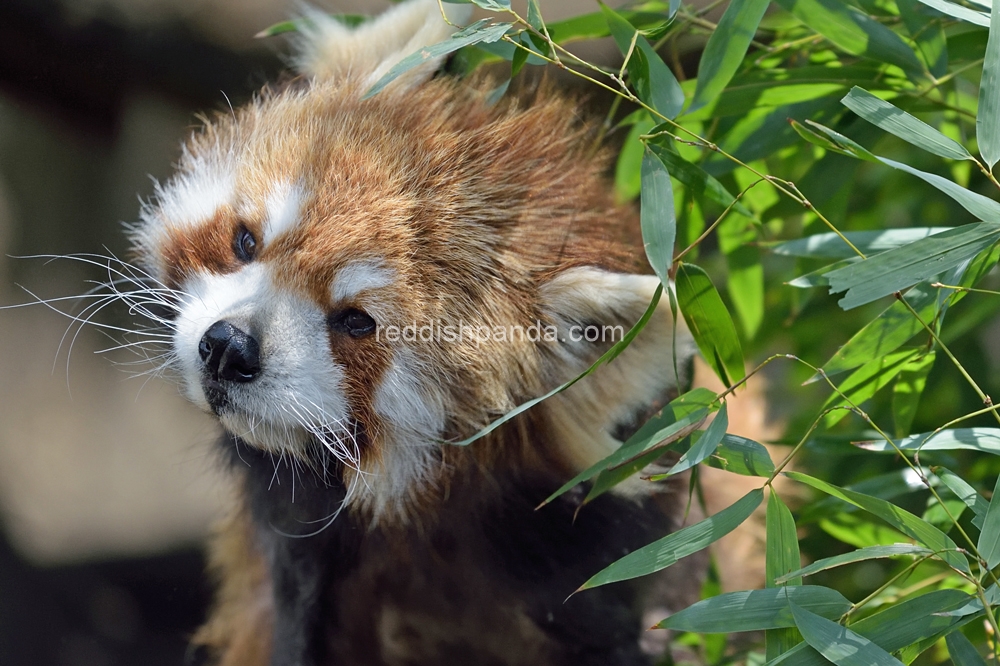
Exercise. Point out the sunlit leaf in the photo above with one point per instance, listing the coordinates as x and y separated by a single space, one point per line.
956 10
709 323
832 246
986 440
686 541
726 47
908 128
899 518
866 381
861 555
697 180
907 391
754 610
895 270
854 31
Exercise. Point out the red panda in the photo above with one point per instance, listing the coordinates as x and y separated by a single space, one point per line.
355 282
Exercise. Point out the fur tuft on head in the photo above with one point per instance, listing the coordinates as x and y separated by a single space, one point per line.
330 50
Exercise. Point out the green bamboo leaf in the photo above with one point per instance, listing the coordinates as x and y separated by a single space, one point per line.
628 168
962 651
988 115
743 456
698 181
986 440
900 123
832 246
989 538
706 444
895 270
866 381
535 16
653 81
782 553
689 409
887 332
928 34
726 47
902 520
671 548
860 555
838 643
823 136
492 5
981 207
898 626
974 606
709 322
907 391
964 492
754 610
476 33
657 215
781 556
854 31
958 11
595 25
817 278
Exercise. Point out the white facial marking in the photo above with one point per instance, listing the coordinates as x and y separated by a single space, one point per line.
299 395
194 196
284 206
358 277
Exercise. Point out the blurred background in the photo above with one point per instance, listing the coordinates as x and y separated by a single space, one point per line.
108 483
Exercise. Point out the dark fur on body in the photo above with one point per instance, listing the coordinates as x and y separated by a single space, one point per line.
483 581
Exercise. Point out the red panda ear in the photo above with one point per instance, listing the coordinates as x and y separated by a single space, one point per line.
593 309
330 50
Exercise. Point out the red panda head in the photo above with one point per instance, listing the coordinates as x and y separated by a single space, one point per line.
365 279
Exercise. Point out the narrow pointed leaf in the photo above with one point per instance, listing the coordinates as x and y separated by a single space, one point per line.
686 541
866 381
896 121
838 643
473 34
962 651
831 246
535 16
653 81
899 518
860 555
754 610
989 537
964 492
743 456
981 207
895 270
887 332
657 215
781 556
986 440
726 47
690 408
898 626
706 444
988 115
697 180
709 322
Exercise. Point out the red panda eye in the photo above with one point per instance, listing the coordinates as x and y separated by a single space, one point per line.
353 322
244 245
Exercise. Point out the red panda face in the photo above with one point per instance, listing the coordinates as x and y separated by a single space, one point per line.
357 279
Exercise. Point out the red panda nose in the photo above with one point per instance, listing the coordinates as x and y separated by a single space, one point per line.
229 354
